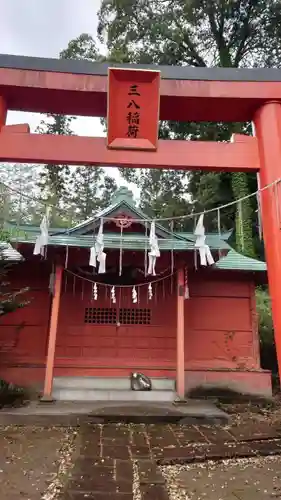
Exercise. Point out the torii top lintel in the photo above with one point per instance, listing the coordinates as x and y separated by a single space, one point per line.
186 93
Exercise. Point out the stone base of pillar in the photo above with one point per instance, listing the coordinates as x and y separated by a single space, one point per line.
47 399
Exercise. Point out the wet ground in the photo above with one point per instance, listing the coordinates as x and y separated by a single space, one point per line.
242 479
142 462
29 460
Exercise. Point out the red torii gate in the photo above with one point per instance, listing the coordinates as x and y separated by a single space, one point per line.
186 94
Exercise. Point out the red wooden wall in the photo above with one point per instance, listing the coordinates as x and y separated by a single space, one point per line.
26 329
220 325
220 328
142 344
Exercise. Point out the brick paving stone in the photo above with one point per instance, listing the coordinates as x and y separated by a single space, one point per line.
149 473
139 439
111 451
104 469
90 450
116 441
90 463
192 454
92 485
164 438
98 472
228 450
252 431
188 434
153 492
180 455
91 430
266 448
95 484
140 451
124 486
216 434
124 470
115 431
99 496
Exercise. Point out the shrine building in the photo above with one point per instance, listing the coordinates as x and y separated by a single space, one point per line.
108 325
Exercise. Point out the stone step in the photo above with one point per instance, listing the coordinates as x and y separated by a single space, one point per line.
109 383
78 394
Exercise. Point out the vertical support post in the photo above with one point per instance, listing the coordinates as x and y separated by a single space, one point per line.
49 370
267 124
3 112
180 334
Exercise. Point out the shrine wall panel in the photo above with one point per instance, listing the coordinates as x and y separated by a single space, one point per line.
149 337
24 331
220 326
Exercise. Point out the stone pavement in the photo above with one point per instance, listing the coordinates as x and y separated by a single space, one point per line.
69 413
124 462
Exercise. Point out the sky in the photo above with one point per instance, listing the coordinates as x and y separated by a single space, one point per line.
42 28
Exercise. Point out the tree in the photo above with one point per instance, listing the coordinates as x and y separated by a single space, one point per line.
18 181
83 47
9 300
54 179
92 190
228 33
77 192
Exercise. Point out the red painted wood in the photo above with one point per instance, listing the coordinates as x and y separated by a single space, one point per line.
186 100
220 329
156 342
21 128
75 150
3 112
268 131
52 332
133 109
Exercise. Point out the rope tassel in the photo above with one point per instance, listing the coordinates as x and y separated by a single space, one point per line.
113 296
150 292
95 292
206 257
154 250
96 252
43 238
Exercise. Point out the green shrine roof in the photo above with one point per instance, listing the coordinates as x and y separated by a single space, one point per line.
235 261
81 235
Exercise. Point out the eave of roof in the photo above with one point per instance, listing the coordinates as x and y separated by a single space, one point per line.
8 253
234 261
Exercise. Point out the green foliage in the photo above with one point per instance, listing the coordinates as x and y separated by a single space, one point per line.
12 395
264 316
227 33
10 300
53 178
266 333
91 190
83 47
75 192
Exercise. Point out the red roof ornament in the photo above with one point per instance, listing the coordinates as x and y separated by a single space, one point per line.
123 221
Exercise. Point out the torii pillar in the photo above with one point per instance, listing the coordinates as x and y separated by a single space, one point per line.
267 123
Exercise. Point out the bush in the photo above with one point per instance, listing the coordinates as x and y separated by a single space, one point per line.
266 333
12 395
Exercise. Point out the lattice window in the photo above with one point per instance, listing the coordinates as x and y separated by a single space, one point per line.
100 315
134 316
